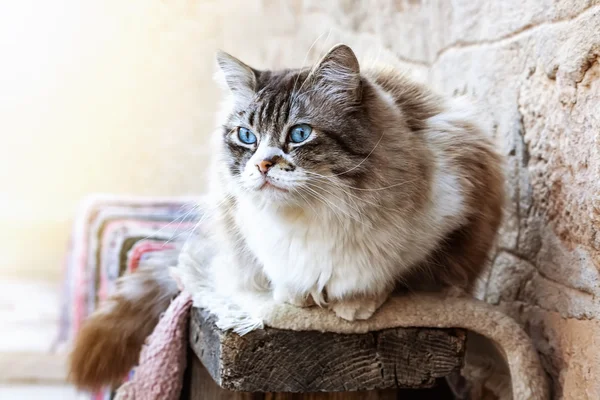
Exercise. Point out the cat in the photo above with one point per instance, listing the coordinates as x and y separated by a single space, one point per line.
332 186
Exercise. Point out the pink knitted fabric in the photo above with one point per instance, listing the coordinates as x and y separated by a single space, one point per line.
162 361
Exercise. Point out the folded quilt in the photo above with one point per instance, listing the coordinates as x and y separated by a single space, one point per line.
112 235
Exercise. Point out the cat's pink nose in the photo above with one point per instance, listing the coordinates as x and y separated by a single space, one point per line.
264 166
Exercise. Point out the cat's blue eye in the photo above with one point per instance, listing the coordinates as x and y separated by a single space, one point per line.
300 133
246 136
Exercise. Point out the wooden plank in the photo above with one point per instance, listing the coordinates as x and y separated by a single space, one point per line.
204 387
200 386
274 360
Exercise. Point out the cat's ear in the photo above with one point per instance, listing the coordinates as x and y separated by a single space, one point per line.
240 78
338 72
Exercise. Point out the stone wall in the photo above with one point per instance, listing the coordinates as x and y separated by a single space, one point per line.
534 66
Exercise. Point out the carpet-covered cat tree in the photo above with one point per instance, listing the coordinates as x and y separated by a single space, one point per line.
162 361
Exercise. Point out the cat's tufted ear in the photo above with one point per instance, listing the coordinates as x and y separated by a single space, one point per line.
237 76
338 73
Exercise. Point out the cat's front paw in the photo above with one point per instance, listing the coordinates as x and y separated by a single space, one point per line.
357 308
285 296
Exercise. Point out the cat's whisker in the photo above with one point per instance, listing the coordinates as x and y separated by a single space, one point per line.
320 187
306 58
207 213
212 214
326 178
193 205
318 197
194 208
299 191
386 187
189 232
374 60
332 206
365 159
361 199
349 215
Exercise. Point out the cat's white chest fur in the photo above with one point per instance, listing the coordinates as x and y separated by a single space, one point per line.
343 254
303 256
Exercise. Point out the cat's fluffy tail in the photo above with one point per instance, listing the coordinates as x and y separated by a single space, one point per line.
109 342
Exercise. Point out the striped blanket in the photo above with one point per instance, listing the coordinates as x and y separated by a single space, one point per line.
111 236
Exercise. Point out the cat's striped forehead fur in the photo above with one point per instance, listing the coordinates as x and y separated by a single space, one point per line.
285 99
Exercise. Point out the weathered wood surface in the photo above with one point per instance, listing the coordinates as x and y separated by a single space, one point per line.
274 360
201 386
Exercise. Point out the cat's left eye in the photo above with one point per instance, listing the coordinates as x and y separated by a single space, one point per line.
300 133
246 136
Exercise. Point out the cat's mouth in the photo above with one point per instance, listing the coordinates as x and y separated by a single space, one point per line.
270 186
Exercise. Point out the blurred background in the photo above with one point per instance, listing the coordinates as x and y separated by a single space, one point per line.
117 97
